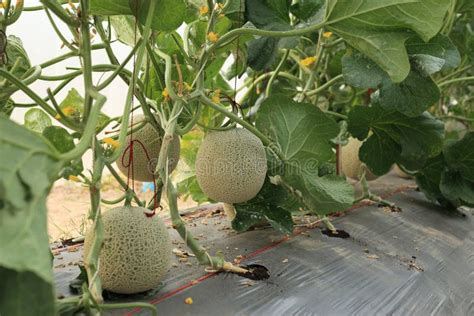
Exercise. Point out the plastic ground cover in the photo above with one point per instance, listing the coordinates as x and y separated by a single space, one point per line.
419 261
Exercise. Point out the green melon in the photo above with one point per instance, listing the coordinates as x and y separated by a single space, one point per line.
231 165
143 168
136 253
350 161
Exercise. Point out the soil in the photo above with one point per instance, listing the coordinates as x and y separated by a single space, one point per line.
339 233
256 272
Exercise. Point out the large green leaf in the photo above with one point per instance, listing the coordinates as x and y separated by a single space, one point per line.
109 7
321 195
268 15
379 28
28 165
37 120
447 178
439 47
305 9
460 156
168 14
457 189
412 96
395 137
273 203
301 130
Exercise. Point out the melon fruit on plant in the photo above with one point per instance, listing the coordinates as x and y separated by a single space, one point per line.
455 129
136 252
143 166
350 162
231 165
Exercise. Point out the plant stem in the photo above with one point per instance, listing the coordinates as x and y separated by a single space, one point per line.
471 78
89 129
122 183
275 73
131 88
326 85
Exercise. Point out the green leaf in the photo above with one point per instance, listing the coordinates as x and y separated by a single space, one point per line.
17 62
302 131
109 7
168 15
305 9
190 187
262 13
321 195
361 72
457 188
124 27
24 293
395 137
28 165
73 107
273 203
428 180
368 25
268 15
460 156
37 120
439 47
412 96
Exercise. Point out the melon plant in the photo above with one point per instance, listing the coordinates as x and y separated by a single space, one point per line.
312 73
136 252
146 149
231 165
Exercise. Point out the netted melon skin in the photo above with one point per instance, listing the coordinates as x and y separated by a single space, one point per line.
231 165
143 168
350 161
136 253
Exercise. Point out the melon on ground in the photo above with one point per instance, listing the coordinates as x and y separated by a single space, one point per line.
231 165
350 162
136 252
143 166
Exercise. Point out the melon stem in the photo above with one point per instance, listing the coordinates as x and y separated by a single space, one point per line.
229 211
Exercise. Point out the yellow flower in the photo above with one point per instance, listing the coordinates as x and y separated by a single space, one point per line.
165 93
74 178
69 110
57 116
216 98
187 86
212 37
327 34
308 61
203 10
110 141
188 300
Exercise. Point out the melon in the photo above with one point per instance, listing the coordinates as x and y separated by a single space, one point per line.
136 252
144 166
455 129
350 162
231 165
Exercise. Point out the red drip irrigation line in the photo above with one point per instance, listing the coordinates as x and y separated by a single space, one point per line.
130 163
251 255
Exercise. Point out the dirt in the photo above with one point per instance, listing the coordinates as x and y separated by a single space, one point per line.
68 205
339 233
256 272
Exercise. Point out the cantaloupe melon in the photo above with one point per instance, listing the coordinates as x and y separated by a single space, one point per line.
136 253
231 165
143 168
350 162
399 172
